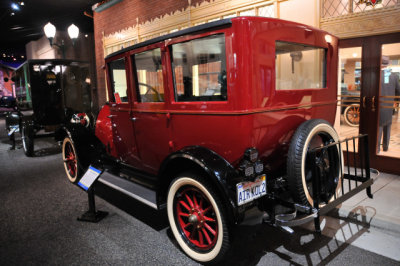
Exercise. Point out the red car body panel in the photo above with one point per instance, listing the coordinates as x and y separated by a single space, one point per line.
104 130
254 115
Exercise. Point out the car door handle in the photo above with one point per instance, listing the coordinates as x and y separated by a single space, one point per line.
109 116
133 119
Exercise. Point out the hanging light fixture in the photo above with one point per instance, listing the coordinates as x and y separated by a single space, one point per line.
73 32
50 31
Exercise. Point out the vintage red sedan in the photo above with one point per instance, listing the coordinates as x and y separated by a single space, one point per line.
213 120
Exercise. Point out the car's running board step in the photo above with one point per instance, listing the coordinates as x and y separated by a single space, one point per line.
131 189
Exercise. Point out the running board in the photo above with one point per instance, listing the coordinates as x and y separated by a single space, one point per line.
130 189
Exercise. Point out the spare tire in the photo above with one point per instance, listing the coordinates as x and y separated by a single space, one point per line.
309 135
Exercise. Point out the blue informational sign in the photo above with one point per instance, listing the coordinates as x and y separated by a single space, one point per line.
13 129
89 177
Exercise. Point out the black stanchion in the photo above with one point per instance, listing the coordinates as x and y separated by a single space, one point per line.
12 138
92 215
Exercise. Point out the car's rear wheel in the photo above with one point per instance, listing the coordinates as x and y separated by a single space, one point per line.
27 135
197 218
312 134
70 159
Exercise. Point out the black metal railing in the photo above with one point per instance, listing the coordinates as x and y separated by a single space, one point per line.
354 173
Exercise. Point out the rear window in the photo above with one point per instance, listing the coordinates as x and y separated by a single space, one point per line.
299 66
199 68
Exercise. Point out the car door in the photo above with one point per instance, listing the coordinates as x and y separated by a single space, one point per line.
150 118
120 111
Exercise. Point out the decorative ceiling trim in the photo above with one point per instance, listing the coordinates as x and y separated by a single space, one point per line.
181 19
367 23
103 5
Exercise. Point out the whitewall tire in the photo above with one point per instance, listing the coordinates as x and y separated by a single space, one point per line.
197 218
70 159
309 135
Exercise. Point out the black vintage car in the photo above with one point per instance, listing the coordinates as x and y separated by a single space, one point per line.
7 102
48 92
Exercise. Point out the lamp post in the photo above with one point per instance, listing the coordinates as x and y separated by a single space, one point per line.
50 31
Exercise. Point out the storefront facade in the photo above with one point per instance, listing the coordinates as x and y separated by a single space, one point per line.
369 68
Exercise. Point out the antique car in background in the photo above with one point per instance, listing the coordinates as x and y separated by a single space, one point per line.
48 93
213 120
350 105
7 105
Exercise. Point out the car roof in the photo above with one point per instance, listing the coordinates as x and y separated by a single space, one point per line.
215 24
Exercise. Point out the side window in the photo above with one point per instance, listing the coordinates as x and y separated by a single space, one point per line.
150 85
299 66
118 80
200 69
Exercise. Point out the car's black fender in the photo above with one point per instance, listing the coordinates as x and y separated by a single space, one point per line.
88 147
12 119
221 174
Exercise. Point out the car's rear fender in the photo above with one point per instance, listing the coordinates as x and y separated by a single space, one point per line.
216 169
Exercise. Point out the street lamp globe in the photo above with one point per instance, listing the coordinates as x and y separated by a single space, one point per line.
73 32
49 30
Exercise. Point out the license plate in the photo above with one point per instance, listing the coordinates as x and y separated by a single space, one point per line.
249 191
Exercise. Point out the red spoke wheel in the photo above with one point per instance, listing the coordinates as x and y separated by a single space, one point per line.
197 219
70 159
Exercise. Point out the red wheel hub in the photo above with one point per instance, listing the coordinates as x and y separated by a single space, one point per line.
70 159
196 218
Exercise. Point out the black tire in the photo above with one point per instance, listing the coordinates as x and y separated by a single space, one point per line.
352 115
311 134
27 135
197 218
71 161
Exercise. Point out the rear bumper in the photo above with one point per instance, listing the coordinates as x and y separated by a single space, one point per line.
355 176
302 215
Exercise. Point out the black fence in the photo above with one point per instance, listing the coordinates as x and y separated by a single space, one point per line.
347 163
354 173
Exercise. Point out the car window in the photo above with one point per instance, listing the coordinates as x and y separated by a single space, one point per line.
149 75
117 74
200 69
299 66
76 85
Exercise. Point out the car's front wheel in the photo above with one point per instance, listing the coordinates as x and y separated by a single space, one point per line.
197 218
27 135
70 159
